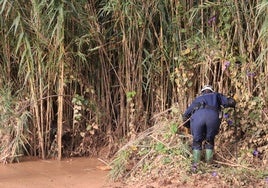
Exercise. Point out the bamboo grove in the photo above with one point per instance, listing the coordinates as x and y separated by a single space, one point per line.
92 73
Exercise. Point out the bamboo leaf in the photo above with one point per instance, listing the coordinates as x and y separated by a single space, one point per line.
3 4
15 24
19 43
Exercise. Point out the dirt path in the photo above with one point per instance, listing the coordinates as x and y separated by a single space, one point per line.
69 173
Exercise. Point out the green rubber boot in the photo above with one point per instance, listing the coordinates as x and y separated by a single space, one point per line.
209 155
196 155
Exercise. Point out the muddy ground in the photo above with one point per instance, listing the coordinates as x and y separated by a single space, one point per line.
68 173
91 173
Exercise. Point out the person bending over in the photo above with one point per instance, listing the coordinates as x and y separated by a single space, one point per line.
205 121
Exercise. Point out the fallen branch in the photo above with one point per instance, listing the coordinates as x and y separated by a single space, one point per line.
233 165
184 123
165 111
160 141
103 161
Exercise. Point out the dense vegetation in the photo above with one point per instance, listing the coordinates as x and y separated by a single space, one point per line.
80 75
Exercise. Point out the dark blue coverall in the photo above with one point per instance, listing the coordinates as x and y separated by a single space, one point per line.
205 121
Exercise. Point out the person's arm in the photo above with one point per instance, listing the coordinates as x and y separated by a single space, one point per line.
190 110
227 101
185 117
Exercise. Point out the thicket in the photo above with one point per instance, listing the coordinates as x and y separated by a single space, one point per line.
80 75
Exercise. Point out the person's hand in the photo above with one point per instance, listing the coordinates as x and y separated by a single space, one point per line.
186 121
184 118
231 102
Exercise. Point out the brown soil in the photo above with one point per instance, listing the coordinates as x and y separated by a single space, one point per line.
75 172
195 182
171 183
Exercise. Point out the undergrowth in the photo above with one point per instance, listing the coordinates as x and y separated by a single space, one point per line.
164 152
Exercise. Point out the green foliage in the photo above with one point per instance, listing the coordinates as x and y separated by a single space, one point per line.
173 128
130 95
160 148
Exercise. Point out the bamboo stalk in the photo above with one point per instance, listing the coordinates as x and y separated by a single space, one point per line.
60 109
60 37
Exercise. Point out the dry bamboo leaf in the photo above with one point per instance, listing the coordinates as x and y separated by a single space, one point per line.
187 51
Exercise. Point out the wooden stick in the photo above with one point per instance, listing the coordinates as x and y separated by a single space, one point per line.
233 165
